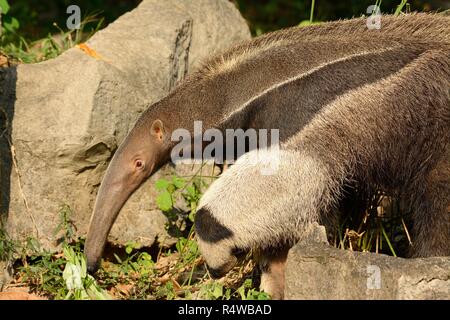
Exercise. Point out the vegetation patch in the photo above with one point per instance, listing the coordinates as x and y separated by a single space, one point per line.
133 272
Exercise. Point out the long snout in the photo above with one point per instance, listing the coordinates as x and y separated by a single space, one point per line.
114 191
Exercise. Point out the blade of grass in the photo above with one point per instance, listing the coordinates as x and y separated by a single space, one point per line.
388 241
311 16
400 7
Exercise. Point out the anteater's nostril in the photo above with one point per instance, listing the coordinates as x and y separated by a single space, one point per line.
92 267
239 253
216 273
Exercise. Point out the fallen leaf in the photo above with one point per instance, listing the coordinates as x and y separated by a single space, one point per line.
18 295
124 288
89 51
165 262
4 61
176 285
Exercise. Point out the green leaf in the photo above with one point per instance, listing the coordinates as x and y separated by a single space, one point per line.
95 292
11 24
4 6
69 254
248 283
180 244
164 201
117 258
72 276
171 188
162 184
193 212
241 291
228 294
218 291
178 182
191 191
263 296
83 270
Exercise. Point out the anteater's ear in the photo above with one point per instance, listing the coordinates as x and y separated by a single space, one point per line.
157 129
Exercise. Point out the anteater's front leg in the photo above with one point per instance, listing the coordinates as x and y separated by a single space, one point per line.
272 264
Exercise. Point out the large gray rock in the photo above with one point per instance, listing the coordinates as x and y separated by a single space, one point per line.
61 120
315 270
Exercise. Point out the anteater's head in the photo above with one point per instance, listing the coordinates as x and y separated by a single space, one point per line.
144 150
216 243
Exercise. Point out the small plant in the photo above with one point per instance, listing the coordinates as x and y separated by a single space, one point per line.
167 189
10 25
247 292
403 4
178 198
66 227
375 229
42 272
62 275
139 263
188 249
7 246
166 291
189 190
214 291
79 284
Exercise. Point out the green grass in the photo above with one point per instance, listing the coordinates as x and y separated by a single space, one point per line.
19 50
177 274
378 225
60 276
403 5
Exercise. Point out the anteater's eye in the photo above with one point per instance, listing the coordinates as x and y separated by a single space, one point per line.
139 164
